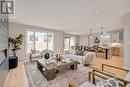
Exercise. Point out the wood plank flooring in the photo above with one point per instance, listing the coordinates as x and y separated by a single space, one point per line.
17 77
115 61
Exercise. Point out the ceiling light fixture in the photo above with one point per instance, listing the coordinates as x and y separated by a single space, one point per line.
90 33
102 32
97 11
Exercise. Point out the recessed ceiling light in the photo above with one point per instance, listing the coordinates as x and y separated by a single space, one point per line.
97 11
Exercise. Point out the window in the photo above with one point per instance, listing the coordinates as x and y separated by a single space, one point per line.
39 41
105 39
30 37
68 43
50 41
30 40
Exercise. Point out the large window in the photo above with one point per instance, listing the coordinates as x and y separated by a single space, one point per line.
105 39
30 40
68 43
39 41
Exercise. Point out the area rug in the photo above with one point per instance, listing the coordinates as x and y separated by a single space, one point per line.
36 79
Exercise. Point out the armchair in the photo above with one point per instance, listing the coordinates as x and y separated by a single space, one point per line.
105 75
111 82
35 54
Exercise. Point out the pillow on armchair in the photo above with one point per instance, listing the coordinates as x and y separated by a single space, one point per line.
33 51
112 82
35 54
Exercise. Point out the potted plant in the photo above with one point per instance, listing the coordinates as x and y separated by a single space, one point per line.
16 43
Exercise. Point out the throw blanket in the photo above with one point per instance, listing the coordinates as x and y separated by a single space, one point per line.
86 59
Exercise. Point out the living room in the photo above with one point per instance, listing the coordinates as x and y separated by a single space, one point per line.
64 43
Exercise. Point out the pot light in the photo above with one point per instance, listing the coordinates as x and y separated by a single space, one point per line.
97 11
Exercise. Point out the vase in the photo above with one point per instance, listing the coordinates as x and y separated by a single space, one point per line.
47 56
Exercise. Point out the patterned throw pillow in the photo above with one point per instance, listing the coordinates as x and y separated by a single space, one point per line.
112 82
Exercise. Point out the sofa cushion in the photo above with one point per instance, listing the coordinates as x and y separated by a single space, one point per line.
128 76
112 82
79 53
87 84
85 52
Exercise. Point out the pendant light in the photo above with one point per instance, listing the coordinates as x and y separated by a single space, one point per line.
102 32
90 33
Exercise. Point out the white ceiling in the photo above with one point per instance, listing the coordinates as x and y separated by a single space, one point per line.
72 16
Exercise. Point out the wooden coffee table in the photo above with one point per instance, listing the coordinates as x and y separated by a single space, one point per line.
49 70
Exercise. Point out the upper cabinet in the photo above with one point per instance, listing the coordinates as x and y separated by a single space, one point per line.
116 37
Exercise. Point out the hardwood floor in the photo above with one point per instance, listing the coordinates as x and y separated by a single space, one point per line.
17 77
115 61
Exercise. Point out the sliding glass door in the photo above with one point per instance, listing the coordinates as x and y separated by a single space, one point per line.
39 41
68 43
50 41
30 41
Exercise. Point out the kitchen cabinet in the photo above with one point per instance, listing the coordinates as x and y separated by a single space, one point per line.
116 37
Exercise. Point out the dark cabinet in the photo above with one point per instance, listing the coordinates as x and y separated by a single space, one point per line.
13 62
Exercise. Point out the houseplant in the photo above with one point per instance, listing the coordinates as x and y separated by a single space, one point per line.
16 43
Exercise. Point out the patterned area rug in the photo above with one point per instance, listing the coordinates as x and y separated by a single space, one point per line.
36 79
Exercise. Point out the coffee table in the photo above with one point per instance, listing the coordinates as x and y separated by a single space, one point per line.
49 70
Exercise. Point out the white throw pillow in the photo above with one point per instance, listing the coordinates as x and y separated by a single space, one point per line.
112 82
85 52
128 76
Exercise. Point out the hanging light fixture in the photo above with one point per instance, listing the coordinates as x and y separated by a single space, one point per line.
90 33
102 32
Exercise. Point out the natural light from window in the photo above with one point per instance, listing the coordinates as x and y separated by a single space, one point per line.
39 41
68 43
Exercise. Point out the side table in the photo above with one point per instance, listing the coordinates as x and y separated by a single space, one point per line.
13 62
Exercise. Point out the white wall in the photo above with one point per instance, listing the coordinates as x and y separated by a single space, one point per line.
16 29
127 40
84 40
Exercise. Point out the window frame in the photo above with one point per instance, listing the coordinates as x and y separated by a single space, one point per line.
69 43
34 42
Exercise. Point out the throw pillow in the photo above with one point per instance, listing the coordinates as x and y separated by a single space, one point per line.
112 82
